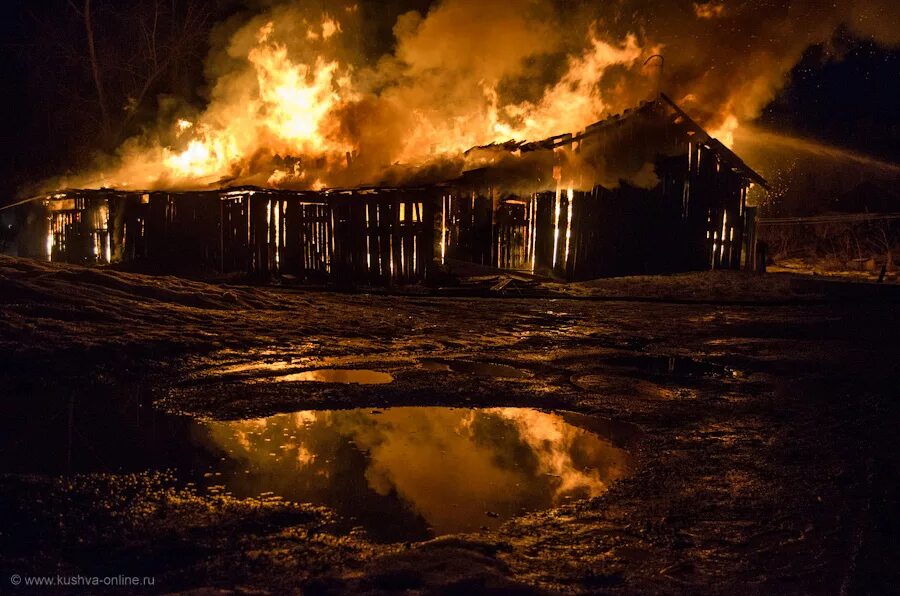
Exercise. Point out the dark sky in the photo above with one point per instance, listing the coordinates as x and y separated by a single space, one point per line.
845 93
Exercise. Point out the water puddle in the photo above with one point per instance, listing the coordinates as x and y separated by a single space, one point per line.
400 473
338 375
481 369
286 370
245 367
667 366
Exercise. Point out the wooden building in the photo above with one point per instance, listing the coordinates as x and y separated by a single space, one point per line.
645 192
377 236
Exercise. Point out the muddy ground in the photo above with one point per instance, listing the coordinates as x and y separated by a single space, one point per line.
767 459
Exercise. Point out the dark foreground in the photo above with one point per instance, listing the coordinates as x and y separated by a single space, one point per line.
761 439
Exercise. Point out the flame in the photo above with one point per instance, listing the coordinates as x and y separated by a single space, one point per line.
297 98
293 103
725 132
576 100
709 10
208 154
330 27
290 111
292 106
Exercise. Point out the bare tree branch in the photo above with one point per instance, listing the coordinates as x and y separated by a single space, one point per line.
95 68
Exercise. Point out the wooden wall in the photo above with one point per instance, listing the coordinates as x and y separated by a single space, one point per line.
381 237
692 219
72 227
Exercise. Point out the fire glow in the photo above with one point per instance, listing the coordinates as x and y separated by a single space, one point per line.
300 122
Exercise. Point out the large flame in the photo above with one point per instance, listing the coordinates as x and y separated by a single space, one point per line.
292 112
295 102
288 125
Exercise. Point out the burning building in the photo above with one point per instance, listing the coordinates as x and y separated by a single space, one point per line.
380 105
647 191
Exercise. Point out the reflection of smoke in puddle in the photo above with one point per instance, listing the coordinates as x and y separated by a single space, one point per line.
338 375
411 473
401 473
481 369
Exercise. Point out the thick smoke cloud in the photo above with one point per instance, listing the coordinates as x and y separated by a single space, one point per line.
721 57
731 58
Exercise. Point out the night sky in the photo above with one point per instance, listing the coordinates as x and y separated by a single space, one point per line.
844 93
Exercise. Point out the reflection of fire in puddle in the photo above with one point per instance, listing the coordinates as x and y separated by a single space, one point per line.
407 473
339 375
401 473
481 369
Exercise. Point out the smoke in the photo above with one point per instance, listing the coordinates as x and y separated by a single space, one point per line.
731 58
296 102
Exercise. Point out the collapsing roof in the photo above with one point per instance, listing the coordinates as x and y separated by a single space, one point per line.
520 161
663 109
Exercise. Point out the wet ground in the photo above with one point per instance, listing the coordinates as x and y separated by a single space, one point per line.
260 439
